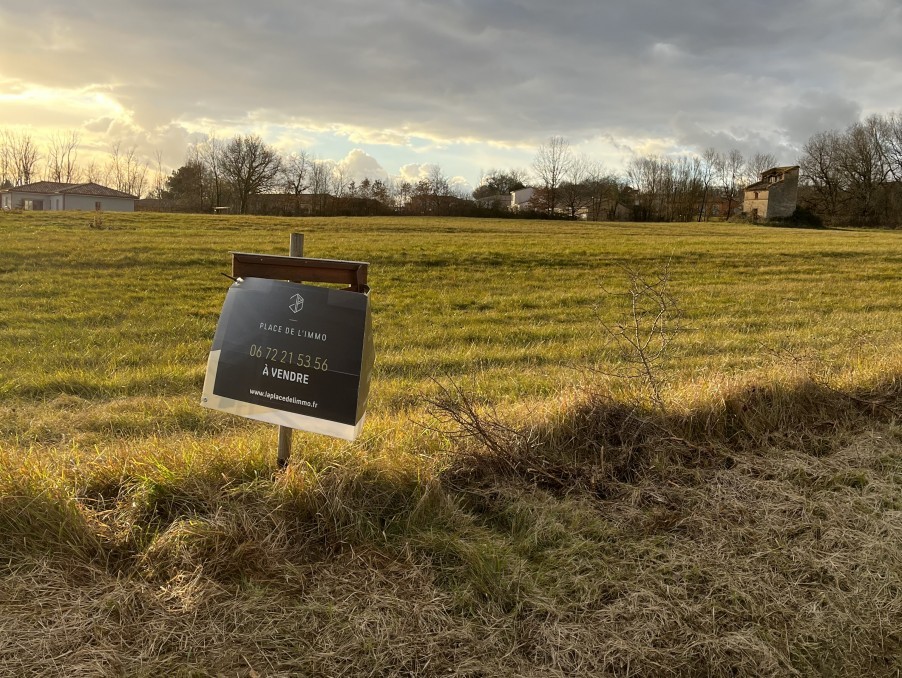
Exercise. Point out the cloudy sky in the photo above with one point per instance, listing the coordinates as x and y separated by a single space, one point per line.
390 86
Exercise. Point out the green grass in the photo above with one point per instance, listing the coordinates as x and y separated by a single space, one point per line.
748 524
129 311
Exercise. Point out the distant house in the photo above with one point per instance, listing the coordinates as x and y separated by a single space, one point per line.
775 195
57 196
520 200
500 201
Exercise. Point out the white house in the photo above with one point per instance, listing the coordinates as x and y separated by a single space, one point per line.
500 201
54 196
520 199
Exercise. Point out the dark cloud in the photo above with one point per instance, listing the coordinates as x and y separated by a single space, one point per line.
817 111
510 71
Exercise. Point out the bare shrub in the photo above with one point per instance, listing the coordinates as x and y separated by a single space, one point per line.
649 322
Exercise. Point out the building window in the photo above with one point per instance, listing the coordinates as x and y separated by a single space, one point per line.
97 205
756 195
28 204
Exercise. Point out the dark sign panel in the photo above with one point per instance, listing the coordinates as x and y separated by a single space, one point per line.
294 355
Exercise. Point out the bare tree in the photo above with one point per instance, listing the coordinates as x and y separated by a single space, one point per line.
730 170
320 179
159 179
439 190
439 183
114 165
687 187
296 173
669 189
821 172
403 195
23 156
62 157
127 171
338 183
7 173
601 192
862 162
853 176
251 167
295 176
756 165
552 162
648 176
574 193
708 168
209 153
893 145
97 173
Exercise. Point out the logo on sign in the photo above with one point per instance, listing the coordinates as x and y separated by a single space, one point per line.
297 303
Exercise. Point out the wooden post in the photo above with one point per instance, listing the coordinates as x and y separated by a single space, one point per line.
295 249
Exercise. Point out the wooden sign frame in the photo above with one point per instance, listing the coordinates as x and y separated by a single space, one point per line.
299 270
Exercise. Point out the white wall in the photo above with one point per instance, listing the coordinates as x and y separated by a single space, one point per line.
520 197
16 199
87 202
70 202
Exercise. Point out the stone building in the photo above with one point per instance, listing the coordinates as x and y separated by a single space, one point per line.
775 195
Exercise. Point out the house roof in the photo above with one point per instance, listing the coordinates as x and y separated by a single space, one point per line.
55 187
764 184
498 197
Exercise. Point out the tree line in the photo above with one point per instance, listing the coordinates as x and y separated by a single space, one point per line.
854 176
243 174
847 177
247 175
652 188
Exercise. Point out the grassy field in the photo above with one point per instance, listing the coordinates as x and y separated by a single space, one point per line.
513 507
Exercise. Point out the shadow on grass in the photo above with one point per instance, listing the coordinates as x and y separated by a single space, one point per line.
236 520
600 441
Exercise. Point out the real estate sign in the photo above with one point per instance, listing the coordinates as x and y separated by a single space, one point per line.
295 355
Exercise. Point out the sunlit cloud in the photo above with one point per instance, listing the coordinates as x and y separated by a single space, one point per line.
51 103
359 165
381 137
413 172
460 185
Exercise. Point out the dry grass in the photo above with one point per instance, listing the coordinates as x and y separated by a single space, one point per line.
744 536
